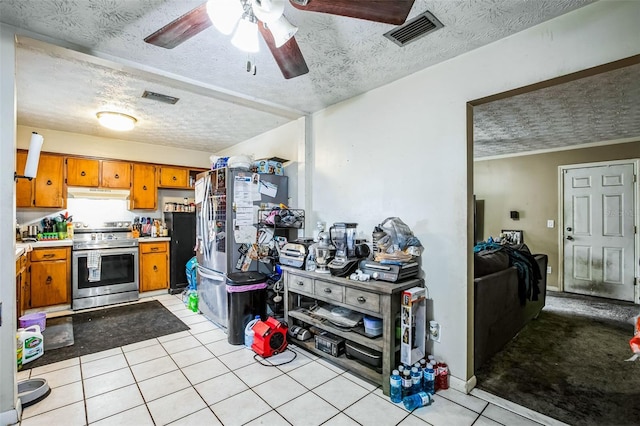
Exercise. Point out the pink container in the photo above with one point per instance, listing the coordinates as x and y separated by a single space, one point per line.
37 318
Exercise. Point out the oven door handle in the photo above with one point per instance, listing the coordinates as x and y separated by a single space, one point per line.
106 251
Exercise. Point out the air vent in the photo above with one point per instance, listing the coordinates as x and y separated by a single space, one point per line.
414 29
160 97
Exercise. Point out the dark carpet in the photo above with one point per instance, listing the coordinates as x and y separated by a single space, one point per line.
102 329
570 367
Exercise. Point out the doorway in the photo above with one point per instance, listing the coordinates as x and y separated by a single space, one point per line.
598 207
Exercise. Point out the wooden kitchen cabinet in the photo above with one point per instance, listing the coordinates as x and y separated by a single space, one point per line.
154 266
83 172
144 192
174 177
115 174
50 276
23 287
47 189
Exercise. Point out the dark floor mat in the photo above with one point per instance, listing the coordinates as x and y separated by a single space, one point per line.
108 328
58 333
570 368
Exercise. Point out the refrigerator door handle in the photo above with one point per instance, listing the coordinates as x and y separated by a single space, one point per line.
215 277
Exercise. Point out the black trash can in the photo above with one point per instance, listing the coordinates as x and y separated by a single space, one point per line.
247 293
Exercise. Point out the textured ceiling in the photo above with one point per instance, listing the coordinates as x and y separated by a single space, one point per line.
221 104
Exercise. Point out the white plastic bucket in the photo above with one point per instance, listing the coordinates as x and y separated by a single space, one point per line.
248 332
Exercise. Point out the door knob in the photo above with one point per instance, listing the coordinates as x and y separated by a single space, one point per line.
569 228
570 238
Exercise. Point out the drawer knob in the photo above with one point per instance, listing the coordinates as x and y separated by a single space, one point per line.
300 283
327 290
49 279
175 178
361 299
117 176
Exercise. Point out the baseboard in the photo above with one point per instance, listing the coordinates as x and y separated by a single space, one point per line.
515 408
461 385
10 417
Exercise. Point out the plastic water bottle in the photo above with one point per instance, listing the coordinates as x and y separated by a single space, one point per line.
416 380
429 378
420 399
248 331
395 387
407 383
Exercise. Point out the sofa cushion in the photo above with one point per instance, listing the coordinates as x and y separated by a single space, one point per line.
489 261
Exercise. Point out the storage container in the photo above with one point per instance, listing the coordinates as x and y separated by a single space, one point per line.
36 318
372 326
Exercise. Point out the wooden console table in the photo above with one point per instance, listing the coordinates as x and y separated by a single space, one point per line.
374 298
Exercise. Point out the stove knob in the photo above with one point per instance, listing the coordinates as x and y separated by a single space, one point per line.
94 237
85 225
375 275
119 224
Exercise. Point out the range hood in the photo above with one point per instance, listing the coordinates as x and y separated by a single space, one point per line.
98 193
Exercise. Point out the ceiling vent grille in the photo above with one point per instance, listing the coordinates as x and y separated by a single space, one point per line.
160 97
414 29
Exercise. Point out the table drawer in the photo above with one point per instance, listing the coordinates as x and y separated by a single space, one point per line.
362 299
48 254
330 291
300 284
160 247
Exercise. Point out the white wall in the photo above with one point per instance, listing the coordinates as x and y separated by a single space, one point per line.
401 150
95 146
8 390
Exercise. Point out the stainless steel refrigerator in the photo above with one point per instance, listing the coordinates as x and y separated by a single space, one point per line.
228 203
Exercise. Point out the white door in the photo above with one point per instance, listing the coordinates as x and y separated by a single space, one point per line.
599 231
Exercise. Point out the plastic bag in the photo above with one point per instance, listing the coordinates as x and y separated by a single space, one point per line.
399 238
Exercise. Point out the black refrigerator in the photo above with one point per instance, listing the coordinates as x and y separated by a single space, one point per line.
182 230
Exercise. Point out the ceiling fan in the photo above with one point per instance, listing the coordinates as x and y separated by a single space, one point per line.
276 31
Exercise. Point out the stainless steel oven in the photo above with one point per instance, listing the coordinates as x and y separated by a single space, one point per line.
104 267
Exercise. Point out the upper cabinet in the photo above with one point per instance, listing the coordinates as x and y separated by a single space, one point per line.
174 177
144 193
83 172
115 174
47 188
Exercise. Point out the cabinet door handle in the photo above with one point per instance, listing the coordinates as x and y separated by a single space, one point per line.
327 290
300 283
144 187
49 279
361 299
82 173
117 176
49 182
48 255
155 268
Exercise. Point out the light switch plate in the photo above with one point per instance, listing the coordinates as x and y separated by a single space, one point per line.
551 223
548 270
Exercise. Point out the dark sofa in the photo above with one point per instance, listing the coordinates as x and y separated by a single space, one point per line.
499 312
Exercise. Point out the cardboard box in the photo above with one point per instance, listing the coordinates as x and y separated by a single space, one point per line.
269 167
413 313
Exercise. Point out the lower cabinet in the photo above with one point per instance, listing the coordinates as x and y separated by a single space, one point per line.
305 290
50 277
23 286
154 266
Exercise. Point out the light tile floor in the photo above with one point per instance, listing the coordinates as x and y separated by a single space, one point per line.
196 378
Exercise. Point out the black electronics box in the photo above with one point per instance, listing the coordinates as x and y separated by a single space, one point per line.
330 344
364 354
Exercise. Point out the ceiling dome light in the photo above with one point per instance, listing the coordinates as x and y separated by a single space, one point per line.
116 120
246 36
224 14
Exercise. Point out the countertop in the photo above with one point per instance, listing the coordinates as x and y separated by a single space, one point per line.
153 239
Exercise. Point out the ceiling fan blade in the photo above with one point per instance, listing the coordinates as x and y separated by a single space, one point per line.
387 11
182 29
288 56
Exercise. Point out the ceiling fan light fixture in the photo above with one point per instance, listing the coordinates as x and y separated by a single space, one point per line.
116 120
224 14
268 10
246 36
282 31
